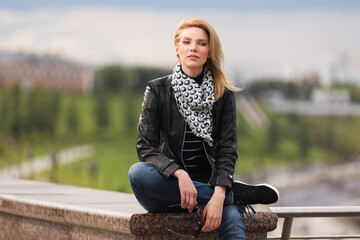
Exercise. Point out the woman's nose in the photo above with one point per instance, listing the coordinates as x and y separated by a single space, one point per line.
193 47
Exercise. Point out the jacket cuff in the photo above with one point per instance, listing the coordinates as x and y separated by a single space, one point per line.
171 168
226 181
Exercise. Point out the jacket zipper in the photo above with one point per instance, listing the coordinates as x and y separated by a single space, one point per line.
182 147
207 157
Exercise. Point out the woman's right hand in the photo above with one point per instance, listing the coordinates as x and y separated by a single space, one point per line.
187 189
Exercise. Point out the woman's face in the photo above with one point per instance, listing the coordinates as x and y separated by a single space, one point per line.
193 50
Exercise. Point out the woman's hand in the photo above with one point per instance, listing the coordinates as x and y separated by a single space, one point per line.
188 191
212 213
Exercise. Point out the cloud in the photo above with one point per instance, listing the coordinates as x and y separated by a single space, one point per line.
93 35
252 41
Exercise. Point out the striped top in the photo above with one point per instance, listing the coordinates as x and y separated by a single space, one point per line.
194 156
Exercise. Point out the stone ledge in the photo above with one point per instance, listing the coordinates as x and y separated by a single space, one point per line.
92 209
173 223
38 210
59 213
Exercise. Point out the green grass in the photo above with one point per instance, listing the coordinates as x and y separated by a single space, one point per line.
115 145
14 151
254 154
115 148
106 170
17 151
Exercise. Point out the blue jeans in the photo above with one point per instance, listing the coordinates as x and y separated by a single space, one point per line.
157 193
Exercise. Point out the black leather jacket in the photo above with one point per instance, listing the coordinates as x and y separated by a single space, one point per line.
162 130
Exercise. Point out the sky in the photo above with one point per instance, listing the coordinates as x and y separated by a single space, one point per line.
246 5
258 37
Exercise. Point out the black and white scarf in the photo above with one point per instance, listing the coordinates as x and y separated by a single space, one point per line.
195 102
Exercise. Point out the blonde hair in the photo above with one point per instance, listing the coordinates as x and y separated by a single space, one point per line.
215 62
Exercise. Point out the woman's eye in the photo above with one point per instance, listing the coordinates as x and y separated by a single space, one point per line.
203 43
186 42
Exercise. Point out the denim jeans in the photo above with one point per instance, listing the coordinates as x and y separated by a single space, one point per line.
157 193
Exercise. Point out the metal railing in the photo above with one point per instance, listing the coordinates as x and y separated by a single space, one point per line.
289 213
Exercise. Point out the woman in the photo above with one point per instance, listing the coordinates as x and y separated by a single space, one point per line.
188 139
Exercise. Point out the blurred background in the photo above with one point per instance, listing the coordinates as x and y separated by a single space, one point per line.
73 74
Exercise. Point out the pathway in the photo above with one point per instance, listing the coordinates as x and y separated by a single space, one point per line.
46 162
252 112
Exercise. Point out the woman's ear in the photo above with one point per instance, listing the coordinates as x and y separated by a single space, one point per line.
177 50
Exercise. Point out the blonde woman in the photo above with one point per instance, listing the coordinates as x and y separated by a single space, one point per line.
188 139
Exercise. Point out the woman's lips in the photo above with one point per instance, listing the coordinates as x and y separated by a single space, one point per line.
193 57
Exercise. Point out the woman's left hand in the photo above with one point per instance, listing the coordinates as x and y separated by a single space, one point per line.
212 213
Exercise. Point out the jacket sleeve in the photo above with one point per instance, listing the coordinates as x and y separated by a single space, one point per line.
149 134
226 154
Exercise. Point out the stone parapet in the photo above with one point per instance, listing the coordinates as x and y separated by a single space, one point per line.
38 210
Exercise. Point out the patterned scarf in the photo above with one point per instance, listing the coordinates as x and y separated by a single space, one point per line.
195 102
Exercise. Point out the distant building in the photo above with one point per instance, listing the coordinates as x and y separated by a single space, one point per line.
324 103
346 69
48 72
334 96
311 77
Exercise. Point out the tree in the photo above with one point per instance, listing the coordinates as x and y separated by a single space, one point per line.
130 113
120 79
304 140
10 112
101 111
272 137
140 76
3 112
42 111
111 79
242 130
72 119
